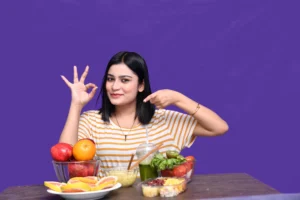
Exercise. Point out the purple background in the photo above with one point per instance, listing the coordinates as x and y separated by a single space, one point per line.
240 58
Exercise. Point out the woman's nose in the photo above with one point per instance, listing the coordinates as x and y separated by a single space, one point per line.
116 85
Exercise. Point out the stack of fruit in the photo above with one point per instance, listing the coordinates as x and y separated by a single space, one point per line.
78 159
174 165
76 168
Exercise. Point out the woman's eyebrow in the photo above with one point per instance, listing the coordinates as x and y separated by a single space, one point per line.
122 76
125 76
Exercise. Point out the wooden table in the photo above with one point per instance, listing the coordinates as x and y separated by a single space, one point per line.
202 186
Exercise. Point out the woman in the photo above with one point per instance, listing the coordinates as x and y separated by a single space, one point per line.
128 116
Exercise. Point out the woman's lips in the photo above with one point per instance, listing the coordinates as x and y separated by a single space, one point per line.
115 95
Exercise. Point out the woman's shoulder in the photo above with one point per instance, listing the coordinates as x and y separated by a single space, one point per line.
163 112
159 113
92 114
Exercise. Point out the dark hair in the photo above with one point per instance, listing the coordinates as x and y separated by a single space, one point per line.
144 111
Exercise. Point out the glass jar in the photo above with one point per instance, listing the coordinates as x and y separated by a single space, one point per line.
146 171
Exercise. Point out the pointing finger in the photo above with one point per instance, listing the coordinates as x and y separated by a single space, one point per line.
151 96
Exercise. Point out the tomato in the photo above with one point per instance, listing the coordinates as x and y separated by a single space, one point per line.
167 173
188 165
179 171
190 158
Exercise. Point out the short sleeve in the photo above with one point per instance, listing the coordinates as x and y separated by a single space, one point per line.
84 129
181 127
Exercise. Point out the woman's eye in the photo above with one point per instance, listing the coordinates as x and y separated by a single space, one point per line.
124 80
109 79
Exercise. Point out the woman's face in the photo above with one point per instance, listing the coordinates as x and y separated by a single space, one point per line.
122 85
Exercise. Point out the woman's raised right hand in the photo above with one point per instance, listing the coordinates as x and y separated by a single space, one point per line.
80 95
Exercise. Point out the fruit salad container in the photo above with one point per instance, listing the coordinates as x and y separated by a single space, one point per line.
126 177
162 186
68 169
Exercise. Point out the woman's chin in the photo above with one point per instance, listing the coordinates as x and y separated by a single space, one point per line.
117 102
120 102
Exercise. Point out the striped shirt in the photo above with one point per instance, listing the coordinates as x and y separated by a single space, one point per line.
173 128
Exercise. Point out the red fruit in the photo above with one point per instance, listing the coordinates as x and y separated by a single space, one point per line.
190 158
91 169
61 152
78 170
167 173
188 165
179 171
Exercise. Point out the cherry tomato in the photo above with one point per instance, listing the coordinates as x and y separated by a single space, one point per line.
190 158
179 171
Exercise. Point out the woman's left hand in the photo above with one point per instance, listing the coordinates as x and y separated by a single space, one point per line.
163 98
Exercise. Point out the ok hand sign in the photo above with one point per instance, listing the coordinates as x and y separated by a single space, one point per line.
80 95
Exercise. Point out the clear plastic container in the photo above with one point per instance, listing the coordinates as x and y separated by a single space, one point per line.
146 171
170 188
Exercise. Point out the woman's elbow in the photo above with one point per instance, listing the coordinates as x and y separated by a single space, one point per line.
221 130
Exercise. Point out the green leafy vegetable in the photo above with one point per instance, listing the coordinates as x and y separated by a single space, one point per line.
161 163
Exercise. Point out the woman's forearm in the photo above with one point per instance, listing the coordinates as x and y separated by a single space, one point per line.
70 131
206 118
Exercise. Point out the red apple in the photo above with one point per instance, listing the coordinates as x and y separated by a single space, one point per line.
61 152
78 170
91 169
81 169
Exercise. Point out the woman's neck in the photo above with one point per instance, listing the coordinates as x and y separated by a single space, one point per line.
125 116
126 111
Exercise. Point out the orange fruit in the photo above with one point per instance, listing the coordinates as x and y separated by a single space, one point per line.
84 149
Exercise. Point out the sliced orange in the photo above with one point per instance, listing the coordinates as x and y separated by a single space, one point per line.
76 187
73 181
105 182
86 179
53 185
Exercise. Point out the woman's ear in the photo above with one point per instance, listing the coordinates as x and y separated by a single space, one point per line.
141 87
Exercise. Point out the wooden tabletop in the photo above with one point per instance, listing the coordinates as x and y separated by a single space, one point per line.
202 186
